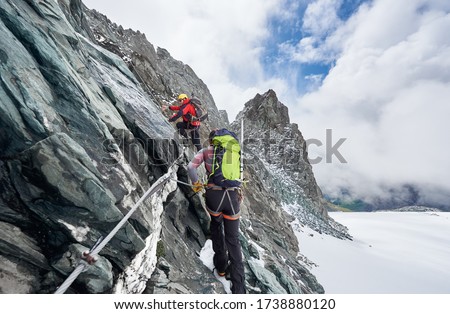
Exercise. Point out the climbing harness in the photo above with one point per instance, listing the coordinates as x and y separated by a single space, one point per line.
227 194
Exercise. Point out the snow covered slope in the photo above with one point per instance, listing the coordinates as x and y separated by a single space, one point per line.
391 252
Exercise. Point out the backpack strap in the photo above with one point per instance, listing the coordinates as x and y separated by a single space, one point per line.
214 165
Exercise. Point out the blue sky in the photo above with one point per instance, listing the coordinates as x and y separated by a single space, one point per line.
374 72
287 30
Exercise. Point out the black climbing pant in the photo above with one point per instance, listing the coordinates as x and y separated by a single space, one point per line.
195 135
223 206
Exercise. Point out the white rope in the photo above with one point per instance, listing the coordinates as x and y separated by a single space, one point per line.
153 189
74 275
184 183
83 264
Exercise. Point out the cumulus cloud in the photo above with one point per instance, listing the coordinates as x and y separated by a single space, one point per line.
321 17
388 95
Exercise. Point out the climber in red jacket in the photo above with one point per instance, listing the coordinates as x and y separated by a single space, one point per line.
187 111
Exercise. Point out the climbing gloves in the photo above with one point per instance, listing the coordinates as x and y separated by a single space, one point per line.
197 186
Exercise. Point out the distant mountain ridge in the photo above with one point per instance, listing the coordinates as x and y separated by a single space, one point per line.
413 209
402 196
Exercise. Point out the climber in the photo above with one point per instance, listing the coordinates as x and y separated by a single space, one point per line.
223 205
187 111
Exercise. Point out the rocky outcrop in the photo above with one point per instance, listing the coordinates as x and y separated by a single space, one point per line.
275 151
160 75
267 126
81 142
83 138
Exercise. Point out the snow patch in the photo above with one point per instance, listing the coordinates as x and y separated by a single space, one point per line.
206 256
392 252
79 233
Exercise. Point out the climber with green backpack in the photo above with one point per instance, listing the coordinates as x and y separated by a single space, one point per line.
223 196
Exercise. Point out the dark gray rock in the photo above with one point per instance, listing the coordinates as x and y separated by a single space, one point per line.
15 242
60 184
83 138
21 261
81 141
96 278
159 74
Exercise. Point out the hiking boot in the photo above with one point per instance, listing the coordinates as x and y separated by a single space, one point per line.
225 273
221 274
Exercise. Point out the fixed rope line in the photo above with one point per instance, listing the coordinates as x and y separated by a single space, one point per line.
181 182
90 258
188 184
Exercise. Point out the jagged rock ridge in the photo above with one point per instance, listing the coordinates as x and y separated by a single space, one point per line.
275 152
83 138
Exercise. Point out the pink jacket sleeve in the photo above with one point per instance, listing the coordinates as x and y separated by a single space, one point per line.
194 164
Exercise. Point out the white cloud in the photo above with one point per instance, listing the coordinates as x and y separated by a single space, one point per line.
321 17
388 94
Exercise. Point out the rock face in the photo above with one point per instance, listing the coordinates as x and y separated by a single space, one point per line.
81 142
161 76
276 156
83 137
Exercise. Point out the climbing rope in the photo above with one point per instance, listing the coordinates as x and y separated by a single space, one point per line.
188 184
184 183
90 257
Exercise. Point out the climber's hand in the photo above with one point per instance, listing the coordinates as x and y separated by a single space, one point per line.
197 186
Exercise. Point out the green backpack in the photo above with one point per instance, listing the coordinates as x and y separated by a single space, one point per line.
226 165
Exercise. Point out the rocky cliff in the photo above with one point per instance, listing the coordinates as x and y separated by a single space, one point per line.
83 137
276 154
